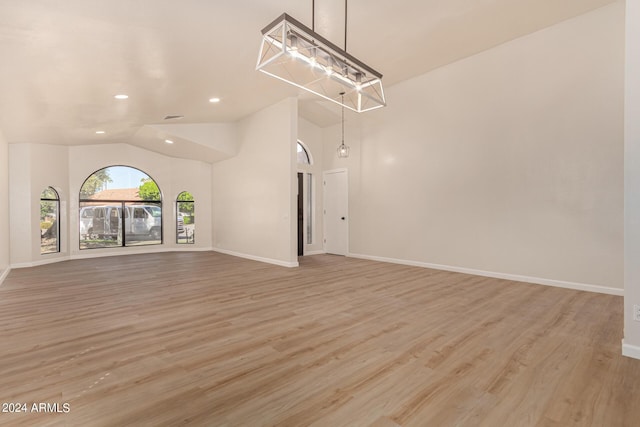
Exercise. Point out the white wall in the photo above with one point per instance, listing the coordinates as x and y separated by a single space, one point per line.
36 166
631 346
21 211
507 163
254 204
4 208
311 136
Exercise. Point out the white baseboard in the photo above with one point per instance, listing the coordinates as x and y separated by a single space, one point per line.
106 252
257 258
43 261
630 350
321 252
506 276
4 274
132 250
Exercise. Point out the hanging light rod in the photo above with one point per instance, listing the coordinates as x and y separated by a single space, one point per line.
296 54
343 150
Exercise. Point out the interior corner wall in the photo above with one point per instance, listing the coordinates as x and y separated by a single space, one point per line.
34 167
4 208
507 162
254 210
631 346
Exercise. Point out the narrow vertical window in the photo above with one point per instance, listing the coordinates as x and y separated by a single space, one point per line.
49 219
309 208
305 206
186 220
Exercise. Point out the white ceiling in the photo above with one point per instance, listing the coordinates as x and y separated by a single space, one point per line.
62 62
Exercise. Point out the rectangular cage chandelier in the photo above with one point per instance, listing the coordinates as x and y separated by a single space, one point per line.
293 53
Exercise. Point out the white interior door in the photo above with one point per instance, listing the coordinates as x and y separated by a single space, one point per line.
336 218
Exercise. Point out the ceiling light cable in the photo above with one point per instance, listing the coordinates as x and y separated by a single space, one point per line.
345 25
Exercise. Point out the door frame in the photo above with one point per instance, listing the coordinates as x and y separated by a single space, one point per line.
308 207
300 216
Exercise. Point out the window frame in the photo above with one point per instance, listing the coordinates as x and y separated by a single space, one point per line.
307 154
56 201
123 205
188 240
309 185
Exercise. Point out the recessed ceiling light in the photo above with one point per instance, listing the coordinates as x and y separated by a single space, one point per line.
99 132
168 141
214 100
121 96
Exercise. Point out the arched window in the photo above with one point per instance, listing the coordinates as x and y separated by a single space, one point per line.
120 206
303 155
305 196
186 219
49 228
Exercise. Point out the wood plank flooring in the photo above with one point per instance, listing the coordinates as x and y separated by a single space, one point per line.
208 339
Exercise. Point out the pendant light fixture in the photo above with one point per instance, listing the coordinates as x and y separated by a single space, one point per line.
343 150
296 54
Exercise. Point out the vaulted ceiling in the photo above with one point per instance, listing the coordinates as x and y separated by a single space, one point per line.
62 62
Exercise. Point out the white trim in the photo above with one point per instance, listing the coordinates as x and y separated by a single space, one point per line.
100 252
306 149
305 210
338 170
4 274
318 252
257 258
630 350
104 252
515 277
40 262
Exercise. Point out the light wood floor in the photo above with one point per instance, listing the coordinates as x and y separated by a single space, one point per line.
209 339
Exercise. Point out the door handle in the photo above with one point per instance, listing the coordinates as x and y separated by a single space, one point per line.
342 218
